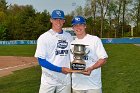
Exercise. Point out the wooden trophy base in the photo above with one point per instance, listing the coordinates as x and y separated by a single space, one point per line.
76 71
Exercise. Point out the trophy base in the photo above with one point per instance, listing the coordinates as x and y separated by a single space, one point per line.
76 71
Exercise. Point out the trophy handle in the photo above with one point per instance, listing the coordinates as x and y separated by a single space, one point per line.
71 51
87 52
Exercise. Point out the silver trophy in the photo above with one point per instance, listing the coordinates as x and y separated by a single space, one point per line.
78 64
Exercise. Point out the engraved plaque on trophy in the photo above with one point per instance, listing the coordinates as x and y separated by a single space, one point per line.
78 64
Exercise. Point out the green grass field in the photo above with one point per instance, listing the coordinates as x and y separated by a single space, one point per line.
17 50
120 74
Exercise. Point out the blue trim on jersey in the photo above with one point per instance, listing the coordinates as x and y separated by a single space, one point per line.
48 65
61 32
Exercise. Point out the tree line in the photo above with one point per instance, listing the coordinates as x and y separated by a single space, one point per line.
112 18
105 18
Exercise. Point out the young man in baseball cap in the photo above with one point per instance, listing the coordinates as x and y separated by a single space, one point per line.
88 81
52 53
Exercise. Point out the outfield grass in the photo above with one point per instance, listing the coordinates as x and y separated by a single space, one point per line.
22 81
17 50
120 74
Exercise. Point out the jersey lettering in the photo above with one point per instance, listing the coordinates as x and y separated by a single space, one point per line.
85 57
89 58
62 44
61 52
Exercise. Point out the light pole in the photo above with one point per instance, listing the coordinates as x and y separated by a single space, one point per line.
132 31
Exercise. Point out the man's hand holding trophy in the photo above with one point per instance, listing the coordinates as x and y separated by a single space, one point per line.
78 64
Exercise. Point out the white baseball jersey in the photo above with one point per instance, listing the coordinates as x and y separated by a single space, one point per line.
96 52
54 47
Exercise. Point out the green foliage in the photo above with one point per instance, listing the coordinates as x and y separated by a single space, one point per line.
2 32
110 15
23 22
3 5
68 21
90 25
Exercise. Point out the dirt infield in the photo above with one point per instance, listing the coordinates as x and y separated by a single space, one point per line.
8 64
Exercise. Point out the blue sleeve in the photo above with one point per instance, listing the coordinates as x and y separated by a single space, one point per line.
48 65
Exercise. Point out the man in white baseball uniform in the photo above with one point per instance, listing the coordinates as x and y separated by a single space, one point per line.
52 53
90 80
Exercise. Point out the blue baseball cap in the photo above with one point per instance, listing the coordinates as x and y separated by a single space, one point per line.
57 14
78 20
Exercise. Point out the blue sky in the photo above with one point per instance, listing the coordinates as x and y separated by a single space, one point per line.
40 5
